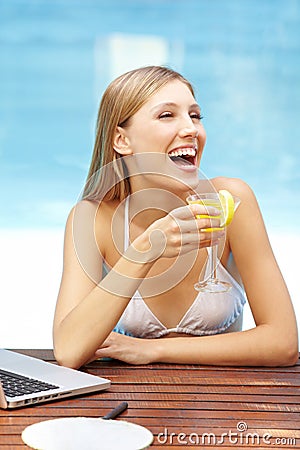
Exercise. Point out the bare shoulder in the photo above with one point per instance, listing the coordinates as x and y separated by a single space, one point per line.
88 231
80 210
248 223
86 211
83 219
238 187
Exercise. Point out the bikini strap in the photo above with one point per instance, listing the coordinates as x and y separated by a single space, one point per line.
126 223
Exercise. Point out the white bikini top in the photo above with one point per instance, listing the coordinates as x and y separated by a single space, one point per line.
209 313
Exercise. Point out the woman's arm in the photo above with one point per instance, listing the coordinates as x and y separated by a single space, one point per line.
274 340
88 307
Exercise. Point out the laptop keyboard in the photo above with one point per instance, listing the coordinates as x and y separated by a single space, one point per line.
15 385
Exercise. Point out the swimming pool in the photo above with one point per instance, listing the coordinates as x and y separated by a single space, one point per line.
57 56
243 58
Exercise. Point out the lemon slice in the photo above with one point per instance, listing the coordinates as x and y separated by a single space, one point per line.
227 203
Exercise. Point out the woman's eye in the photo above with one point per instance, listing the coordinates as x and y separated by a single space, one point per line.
165 115
197 116
168 114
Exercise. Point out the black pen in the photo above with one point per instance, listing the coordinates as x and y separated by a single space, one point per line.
116 411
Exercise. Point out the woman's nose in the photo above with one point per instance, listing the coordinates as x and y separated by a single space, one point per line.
188 128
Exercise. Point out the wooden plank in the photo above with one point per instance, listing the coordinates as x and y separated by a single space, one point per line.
179 422
184 399
200 389
139 409
192 397
155 379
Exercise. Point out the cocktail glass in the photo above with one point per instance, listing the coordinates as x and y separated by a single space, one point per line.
212 284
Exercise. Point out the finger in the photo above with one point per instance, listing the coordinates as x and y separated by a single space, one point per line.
199 210
199 224
190 211
209 224
203 244
205 238
103 353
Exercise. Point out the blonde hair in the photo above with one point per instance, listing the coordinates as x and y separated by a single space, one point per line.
107 177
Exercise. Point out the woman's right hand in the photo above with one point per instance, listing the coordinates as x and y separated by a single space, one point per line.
179 232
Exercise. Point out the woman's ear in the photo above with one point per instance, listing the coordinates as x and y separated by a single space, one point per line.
121 142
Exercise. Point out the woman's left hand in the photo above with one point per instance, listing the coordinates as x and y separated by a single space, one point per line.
126 348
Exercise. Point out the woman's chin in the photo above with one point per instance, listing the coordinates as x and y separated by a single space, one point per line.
187 176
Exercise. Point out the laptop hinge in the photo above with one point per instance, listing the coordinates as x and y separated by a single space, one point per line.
3 402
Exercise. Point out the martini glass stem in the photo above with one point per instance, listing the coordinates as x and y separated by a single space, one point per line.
213 263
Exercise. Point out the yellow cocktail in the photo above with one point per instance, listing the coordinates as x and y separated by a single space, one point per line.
226 204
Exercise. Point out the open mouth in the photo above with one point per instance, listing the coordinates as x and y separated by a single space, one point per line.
184 156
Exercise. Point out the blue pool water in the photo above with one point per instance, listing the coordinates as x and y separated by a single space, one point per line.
57 56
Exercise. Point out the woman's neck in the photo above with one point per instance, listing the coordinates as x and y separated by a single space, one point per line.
148 205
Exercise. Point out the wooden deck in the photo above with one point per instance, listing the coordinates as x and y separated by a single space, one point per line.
183 405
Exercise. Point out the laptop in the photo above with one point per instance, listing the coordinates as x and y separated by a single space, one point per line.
27 381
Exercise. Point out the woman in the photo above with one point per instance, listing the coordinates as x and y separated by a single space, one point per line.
134 249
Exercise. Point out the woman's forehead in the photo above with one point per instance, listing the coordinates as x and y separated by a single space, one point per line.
173 93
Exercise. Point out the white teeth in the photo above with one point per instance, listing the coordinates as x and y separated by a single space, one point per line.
184 152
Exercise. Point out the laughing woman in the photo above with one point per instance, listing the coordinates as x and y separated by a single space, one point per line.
134 249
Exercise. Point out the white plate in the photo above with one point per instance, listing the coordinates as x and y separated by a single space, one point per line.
78 433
